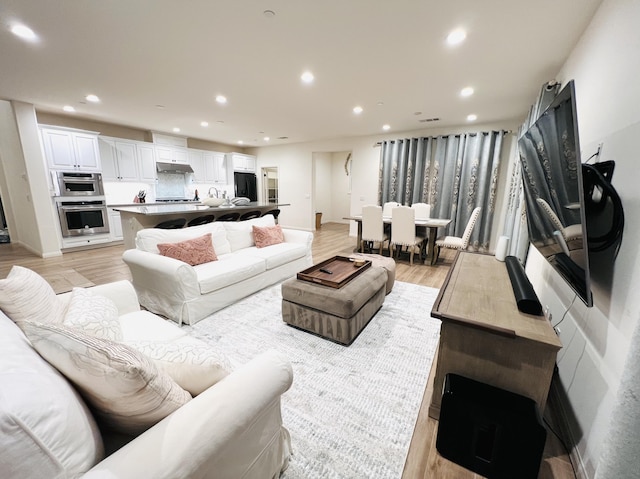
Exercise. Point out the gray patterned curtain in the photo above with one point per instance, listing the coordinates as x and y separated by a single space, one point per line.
515 225
453 173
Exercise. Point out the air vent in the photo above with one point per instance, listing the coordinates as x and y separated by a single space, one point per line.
282 138
428 120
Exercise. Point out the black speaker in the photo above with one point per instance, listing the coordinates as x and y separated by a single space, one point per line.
495 433
526 297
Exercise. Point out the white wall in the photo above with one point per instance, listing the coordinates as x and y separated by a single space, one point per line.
605 67
27 201
322 184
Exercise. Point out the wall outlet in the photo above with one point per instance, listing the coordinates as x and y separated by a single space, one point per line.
547 313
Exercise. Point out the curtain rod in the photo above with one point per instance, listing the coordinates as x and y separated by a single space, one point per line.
506 132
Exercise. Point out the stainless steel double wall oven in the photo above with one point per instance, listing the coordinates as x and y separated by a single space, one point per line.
81 204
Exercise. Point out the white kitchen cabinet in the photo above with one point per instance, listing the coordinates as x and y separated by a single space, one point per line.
209 167
169 154
115 225
119 160
70 149
242 162
217 163
146 162
196 160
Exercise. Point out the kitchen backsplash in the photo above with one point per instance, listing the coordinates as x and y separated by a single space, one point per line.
171 185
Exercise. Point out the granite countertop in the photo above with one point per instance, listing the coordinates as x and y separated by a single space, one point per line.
185 207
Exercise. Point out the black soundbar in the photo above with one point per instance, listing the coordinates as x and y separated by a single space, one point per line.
526 297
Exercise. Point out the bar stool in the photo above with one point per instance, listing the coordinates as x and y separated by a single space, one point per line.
172 224
229 217
201 220
275 212
250 215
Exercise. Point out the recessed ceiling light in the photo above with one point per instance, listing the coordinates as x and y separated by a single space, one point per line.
466 91
204 123
380 103
68 108
221 99
472 117
307 77
176 130
266 138
24 32
386 127
240 142
92 98
456 36
357 110
269 13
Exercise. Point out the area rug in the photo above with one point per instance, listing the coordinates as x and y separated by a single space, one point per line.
351 411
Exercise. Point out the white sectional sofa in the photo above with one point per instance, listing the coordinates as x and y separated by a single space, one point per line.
188 294
233 429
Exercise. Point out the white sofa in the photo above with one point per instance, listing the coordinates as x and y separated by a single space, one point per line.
233 429
188 294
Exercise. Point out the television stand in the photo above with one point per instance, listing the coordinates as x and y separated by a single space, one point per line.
486 338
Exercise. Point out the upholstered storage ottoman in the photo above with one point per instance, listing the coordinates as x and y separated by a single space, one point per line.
335 314
377 260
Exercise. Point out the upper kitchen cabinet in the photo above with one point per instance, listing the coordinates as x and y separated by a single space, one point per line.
217 164
146 162
119 160
209 167
70 149
168 154
242 162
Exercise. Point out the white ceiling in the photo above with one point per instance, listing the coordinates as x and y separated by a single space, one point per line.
389 57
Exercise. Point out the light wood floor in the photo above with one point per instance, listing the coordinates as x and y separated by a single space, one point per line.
103 265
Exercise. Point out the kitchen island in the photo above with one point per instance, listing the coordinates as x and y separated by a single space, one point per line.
135 218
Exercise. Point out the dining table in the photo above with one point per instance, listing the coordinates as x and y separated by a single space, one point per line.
432 224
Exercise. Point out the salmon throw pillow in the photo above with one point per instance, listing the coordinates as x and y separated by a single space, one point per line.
194 251
267 235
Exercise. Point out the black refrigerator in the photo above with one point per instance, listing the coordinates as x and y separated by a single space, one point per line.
246 185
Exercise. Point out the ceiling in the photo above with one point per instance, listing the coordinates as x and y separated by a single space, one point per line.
159 64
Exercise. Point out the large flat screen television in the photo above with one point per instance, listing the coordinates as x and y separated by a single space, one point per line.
554 192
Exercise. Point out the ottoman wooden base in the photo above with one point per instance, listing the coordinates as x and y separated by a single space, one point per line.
335 314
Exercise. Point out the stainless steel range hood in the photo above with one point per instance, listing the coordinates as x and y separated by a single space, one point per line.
180 168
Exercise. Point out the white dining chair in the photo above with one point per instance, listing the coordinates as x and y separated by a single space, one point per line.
387 207
373 227
571 232
403 231
423 212
456 242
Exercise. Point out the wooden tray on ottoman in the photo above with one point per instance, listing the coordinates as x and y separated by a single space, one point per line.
342 270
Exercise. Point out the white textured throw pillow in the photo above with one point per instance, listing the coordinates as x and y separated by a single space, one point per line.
191 363
94 314
124 387
26 296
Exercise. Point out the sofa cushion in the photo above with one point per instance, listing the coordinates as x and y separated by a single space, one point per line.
264 236
229 269
94 314
240 233
25 295
278 254
192 251
193 364
127 391
46 429
148 239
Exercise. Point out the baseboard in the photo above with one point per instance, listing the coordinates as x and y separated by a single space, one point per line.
561 412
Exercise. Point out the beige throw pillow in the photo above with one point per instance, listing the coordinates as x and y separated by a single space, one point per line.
127 391
192 364
94 314
26 296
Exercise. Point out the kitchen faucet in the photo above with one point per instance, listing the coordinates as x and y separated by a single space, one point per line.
216 190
